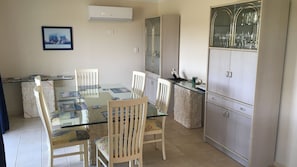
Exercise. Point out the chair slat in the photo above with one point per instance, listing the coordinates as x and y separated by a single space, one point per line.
138 82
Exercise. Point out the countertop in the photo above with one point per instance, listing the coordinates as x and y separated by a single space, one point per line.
188 85
31 78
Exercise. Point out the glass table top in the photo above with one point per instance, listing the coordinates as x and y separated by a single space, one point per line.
75 108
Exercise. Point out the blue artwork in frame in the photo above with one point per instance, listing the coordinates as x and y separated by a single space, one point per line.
57 38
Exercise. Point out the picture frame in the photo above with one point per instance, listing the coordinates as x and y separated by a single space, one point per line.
57 38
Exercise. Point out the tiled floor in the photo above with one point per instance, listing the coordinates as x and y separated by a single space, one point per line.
26 146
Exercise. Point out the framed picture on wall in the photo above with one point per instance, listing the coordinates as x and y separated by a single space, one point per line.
57 38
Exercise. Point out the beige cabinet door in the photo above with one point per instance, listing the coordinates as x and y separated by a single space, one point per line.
228 128
233 74
215 127
243 68
219 66
243 135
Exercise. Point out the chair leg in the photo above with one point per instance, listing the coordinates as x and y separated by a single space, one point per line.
97 158
86 154
110 164
140 162
50 158
163 146
81 149
156 143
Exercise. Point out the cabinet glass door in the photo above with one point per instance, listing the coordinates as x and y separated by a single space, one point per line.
152 53
235 26
221 27
246 25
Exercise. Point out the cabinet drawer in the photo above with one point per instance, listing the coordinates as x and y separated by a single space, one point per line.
230 104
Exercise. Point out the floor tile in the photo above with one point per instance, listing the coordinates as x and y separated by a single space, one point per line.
26 145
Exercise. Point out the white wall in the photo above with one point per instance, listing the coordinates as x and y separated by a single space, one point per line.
107 45
21 48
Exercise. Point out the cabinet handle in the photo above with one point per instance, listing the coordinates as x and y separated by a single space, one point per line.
242 109
227 114
230 74
227 73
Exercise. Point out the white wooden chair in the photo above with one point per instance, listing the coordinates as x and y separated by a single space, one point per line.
138 82
87 82
37 80
157 126
126 121
62 137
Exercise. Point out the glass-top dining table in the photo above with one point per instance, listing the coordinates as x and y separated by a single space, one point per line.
74 108
88 106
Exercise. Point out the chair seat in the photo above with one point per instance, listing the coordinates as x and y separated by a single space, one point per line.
152 125
61 136
102 145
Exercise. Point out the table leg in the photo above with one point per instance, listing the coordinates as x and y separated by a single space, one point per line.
95 132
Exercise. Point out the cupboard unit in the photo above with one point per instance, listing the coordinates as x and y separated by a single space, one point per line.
245 68
162 50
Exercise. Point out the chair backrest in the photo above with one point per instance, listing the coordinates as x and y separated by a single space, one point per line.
126 121
138 82
87 81
37 80
43 111
163 95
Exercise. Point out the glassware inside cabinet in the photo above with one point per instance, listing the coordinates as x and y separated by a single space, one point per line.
221 27
235 26
246 25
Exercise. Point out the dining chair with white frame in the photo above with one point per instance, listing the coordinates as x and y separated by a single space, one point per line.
60 138
124 143
156 126
87 81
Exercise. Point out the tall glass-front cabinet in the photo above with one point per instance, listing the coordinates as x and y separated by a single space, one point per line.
245 67
162 50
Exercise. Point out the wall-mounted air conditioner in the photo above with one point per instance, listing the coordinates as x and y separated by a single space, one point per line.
110 13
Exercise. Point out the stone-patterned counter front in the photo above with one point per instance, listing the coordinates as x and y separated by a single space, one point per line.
188 105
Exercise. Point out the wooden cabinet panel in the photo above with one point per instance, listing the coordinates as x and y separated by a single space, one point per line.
228 128
243 66
233 74
219 65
